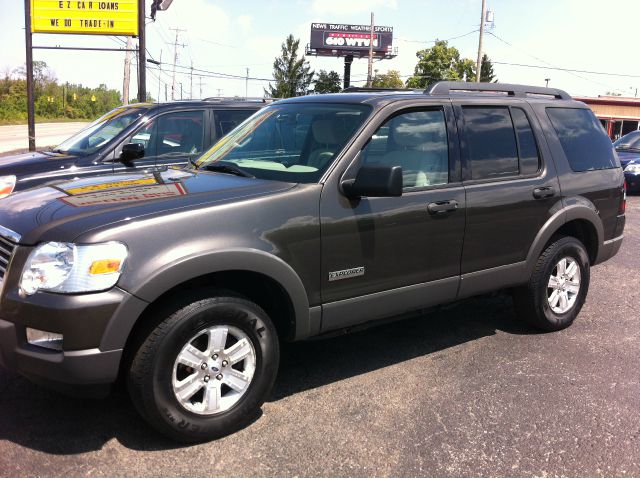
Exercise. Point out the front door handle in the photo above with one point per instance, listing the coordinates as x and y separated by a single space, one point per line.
543 192
441 207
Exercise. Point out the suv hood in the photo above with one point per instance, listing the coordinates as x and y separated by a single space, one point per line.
79 205
32 162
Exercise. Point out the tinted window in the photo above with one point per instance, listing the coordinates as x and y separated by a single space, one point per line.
529 157
180 132
417 141
491 142
582 139
226 120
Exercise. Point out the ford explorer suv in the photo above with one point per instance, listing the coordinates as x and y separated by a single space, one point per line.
315 215
140 136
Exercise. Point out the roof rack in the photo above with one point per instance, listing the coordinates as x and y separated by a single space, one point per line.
370 89
239 99
520 91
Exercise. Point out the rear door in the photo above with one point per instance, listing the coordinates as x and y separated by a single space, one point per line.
511 189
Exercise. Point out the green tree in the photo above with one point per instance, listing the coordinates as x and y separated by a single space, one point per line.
293 75
440 62
327 82
486 70
390 79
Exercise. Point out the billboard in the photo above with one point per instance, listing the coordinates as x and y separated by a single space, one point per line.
85 17
337 39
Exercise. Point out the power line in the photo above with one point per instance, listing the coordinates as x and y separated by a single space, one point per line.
437 40
566 69
554 67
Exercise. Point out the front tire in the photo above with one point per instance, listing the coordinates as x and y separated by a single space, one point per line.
557 288
204 371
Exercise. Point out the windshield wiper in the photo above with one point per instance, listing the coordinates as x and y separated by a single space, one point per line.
228 168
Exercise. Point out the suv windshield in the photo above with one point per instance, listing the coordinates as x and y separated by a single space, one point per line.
628 141
101 131
293 142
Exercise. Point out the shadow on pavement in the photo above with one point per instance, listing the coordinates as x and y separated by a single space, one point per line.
46 421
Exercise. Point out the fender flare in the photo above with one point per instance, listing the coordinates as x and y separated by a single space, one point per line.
186 268
555 222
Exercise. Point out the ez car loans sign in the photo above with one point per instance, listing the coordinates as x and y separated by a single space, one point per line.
85 17
328 36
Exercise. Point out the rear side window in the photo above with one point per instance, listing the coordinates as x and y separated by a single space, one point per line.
226 120
582 139
529 158
493 151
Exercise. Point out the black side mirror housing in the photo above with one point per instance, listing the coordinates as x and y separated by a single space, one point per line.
131 151
374 181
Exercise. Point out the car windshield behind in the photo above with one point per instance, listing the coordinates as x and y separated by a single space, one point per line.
101 131
629 141
293 142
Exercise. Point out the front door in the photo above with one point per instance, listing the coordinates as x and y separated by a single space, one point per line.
384 256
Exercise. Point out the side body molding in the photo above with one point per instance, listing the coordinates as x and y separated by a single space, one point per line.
170 275
583 210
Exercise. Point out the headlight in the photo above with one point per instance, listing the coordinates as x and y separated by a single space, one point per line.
7 183
633 168
71 268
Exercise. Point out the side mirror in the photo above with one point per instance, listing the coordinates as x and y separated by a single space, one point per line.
374 181
131 151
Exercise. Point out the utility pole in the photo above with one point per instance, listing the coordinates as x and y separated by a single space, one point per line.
175 61
246 85
160 77
142 55
370 67
200 78
547 82
180 90
479 63
127 73
191 82
219 92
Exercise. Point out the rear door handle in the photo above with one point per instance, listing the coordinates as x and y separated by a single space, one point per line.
441 207
543 192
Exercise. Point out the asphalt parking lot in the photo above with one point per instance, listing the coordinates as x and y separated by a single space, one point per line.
466 391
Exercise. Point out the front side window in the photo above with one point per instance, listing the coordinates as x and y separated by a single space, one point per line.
101 131
584 143
178 133
415 140
293 142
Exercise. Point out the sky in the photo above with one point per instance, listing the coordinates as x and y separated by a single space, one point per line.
227 37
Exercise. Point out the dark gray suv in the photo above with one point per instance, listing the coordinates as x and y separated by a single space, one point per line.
316 214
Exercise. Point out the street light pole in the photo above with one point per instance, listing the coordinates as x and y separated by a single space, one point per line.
479 63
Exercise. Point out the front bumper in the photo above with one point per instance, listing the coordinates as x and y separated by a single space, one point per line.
95 328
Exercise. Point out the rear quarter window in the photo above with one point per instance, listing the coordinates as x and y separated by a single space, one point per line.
584 143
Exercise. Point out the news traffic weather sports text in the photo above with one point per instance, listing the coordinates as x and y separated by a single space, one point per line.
85 17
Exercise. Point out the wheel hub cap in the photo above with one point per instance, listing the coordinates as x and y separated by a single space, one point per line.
221 352
564 285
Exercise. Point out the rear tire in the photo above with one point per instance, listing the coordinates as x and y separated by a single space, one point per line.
204 371
557 288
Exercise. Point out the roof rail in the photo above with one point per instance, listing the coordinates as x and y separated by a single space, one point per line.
240 99
366 89
521 91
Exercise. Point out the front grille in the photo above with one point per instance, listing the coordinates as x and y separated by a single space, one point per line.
6 251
